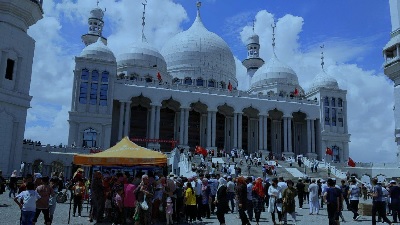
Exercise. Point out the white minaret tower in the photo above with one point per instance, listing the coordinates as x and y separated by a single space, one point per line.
96 25
391 53
16 57
253 60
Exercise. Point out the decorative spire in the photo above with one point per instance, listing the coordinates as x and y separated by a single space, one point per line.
98 3
322 56
254 21
273 25
143 21
198 4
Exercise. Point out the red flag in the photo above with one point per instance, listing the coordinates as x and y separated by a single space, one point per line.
328 151
296 92
230 86
201 150
159 76
351 163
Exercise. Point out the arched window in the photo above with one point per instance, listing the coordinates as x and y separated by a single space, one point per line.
85 74
223 85
188 81
103 94
340 117
336 154
37 166
83 90
326 101
333 102
333 116
326 115
200 82
149 79
57 166
340 102
176 81
104 77
93 93
89 138
95 76
211 83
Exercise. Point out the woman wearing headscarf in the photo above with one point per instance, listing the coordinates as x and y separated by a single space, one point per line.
289 203
205 195
258 198
221 201
275 200
241 196
144 192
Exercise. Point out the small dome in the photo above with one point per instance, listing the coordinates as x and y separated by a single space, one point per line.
199 53
96 13
99 51
323 80
142 59
274 71
253 39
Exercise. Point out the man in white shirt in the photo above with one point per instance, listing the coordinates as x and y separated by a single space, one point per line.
231 192
354 197
313 197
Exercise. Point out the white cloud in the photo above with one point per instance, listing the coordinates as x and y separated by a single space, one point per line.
370 95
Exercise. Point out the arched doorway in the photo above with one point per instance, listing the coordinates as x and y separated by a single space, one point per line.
139 118
168 123
299 133
197 124
250 130
276 131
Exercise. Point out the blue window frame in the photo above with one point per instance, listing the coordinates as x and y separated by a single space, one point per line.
104 77
211 83
103 94
200 82
93 93
89 138
83 90
85 74
95 76
188 81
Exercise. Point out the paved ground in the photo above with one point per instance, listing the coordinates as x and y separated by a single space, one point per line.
9 214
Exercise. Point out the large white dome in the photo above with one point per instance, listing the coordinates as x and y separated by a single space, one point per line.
199 53
323 80
143 59
274 71
98 50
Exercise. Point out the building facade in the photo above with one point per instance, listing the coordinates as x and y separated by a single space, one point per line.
188 92
391 65
16 56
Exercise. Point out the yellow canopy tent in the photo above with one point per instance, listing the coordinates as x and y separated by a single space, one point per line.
124 153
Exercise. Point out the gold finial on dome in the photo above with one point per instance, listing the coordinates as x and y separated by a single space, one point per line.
322 56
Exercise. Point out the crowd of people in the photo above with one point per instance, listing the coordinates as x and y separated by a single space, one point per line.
156 198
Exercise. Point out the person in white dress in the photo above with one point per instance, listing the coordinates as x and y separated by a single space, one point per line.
313 197
275 200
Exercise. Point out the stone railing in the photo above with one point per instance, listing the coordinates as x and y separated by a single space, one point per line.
216 91
325 165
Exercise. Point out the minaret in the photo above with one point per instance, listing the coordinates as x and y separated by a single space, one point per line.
96 25
16 57
253 60
391 66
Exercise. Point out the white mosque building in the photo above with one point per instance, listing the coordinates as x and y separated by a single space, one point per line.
186 93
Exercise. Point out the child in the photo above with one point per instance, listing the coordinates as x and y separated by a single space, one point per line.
28 208
119 206
169 211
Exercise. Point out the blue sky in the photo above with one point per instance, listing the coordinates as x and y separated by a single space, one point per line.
354 33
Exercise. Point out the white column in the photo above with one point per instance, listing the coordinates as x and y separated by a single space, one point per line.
182 126
285 136
186 126
260 132
127 118
214 128
312 136
240 130
289 123
157 127
209 129
266 132
309 135
344 114
235 130
152 121
121 120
